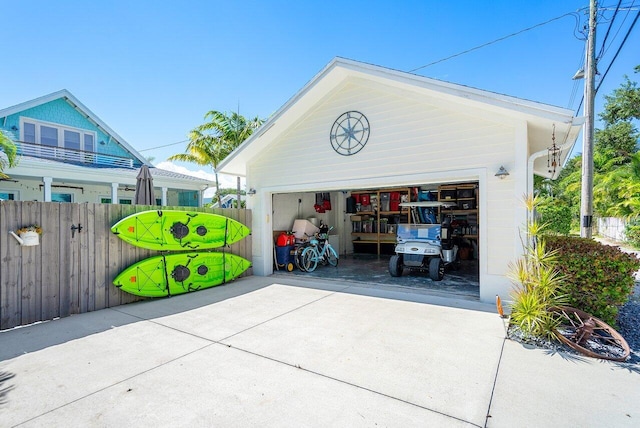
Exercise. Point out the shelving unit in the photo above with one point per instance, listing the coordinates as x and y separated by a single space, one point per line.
378 216
466 210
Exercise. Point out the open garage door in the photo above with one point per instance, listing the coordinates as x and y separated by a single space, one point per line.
366 223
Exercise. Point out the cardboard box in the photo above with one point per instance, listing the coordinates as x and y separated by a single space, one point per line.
303 229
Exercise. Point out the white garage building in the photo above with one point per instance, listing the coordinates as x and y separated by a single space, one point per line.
413 133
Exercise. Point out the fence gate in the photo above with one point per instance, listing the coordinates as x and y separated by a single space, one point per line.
72 269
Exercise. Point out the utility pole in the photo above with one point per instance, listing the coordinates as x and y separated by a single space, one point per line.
586 200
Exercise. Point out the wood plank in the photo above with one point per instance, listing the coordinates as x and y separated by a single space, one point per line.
67 259
11 252
50 261
31 276
85 257
114 267
100 231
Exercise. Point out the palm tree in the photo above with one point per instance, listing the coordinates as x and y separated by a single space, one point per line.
211 142
10 150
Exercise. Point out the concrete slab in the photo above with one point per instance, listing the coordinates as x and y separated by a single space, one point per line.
540 388
220 386
57 373
444 359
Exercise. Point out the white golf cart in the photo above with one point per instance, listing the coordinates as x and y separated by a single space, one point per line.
425 247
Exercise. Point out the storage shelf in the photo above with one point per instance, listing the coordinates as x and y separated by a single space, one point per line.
379 217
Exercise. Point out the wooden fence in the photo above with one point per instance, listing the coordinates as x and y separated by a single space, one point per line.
71 271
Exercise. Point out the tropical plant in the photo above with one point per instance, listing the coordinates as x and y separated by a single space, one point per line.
210 143
10 154
537 282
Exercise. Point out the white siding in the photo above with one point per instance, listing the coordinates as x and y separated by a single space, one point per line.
412 142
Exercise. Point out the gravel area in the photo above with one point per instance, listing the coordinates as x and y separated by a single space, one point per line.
629 324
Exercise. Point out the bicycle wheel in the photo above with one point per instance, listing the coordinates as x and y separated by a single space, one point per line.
332 256
309 259
589 335
298 258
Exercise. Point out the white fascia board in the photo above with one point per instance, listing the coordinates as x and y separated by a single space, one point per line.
68 172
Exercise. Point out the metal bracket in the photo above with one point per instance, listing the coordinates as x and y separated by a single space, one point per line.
74 228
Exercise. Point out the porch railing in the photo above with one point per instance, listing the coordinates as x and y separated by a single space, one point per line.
72 155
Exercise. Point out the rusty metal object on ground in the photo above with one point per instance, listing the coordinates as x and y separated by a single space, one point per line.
590 335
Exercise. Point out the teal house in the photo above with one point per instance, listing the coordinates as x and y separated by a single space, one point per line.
68 154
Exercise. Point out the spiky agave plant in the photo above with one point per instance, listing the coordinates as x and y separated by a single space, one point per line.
537 283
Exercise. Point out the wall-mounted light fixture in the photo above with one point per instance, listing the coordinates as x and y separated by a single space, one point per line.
251 192
102 143
502 173
14 128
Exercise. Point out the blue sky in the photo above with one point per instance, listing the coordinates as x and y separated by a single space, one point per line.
152 69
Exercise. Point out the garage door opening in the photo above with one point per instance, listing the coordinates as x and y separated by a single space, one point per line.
365 227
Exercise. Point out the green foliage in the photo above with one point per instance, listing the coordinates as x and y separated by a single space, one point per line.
556 215
599 278
10 154
632 231
537 282
210 143
616 184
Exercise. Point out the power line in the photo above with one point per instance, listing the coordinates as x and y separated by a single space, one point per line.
166 145
604 41
619 49
495 41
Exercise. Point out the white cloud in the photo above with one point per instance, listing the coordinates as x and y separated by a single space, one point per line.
226 181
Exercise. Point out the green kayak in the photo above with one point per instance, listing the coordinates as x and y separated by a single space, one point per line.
180 273
171 230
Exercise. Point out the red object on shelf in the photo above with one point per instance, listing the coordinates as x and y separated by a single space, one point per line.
366 199
394 205
395 196
357 197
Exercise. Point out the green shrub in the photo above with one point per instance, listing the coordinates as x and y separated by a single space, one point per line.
556 215
632 231
598 278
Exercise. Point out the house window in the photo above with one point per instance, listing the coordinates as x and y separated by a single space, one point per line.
61 197
124 201
51 134
7 196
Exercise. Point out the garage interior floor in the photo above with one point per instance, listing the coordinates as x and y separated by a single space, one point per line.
374 269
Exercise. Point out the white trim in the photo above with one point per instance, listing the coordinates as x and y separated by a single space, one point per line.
47 188
60 128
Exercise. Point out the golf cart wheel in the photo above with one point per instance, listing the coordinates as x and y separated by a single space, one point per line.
395 265
436 269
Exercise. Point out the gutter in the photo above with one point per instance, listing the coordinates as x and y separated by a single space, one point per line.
565 145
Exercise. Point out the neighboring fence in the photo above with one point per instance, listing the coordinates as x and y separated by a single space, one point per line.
612 228
71 271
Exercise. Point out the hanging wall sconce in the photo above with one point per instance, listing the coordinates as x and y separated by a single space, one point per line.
553 153
251 192
502 173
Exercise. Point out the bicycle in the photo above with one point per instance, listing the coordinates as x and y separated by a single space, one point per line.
318 251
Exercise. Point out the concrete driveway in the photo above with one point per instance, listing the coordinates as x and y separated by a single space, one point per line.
274 352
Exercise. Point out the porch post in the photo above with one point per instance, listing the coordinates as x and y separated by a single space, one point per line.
47 188
164 196
114 193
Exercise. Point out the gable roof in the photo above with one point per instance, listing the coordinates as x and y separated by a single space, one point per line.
82 109
539 116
